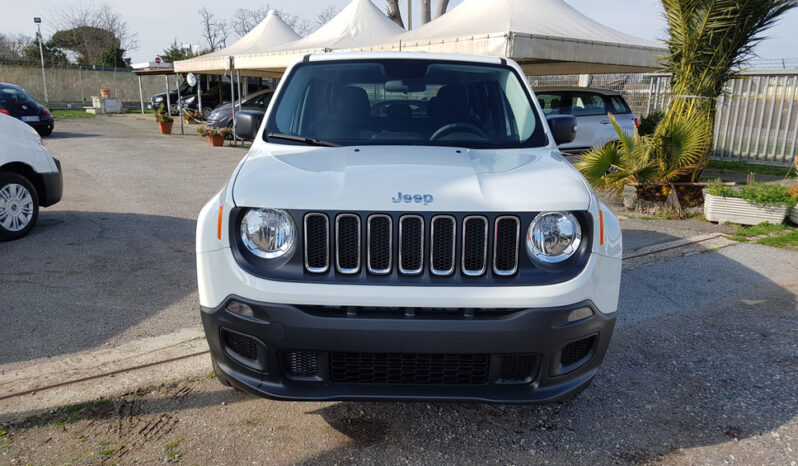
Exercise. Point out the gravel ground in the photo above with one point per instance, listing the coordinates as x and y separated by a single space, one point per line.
114 260
703 367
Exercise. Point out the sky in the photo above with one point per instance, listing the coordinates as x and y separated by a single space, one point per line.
159 22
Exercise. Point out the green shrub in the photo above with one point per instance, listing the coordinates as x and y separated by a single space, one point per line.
757 193
649 122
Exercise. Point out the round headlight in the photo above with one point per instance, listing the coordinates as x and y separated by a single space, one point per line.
268 233
553 237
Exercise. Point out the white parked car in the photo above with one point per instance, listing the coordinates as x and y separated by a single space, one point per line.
29 178
591 107
434 250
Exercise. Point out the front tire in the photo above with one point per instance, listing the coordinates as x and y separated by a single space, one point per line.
45 131
19 206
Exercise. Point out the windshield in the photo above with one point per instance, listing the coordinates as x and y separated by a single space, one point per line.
420 102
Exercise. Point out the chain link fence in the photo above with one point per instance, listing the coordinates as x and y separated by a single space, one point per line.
71 84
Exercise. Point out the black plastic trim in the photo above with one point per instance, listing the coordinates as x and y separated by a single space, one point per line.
291 268
53 186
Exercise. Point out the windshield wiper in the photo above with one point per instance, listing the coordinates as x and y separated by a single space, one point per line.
308 141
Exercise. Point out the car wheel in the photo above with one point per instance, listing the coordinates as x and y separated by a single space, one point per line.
173 109
19 206
45 131
206 112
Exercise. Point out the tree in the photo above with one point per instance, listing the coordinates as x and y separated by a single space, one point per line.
426 11
324 16
709 41
91 15
13 47
52 55
177 52
443 5
214 31
394 13
91 44
244 19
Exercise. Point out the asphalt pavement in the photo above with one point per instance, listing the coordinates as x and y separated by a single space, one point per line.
703 366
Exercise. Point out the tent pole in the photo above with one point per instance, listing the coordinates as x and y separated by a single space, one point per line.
199 96
179 104
168 101
233 101
141 95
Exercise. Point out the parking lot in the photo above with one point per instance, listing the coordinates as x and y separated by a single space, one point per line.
703 366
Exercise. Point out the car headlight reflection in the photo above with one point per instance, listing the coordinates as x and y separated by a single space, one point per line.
268 233
553 237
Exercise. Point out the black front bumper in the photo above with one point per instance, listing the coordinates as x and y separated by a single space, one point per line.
53 186
281 335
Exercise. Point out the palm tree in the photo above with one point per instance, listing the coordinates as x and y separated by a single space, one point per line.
709 42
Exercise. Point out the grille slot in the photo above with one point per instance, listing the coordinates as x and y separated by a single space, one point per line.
411 244
505 251
400 368
518 368
300 363
347 241
241 345
475 245
317 243
576 350
443 240
380 242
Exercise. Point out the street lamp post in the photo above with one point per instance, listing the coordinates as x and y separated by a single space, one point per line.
38 22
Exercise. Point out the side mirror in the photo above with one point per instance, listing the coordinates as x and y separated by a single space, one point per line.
563 128
248 124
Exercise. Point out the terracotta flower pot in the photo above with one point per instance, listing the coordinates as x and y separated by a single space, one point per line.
165 128
216 141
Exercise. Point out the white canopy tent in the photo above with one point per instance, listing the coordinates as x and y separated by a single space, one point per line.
269 34
360 23
544 36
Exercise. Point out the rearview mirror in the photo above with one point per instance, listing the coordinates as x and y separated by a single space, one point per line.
406 85
563 128
248 124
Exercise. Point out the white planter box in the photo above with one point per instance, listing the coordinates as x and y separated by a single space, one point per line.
794 215
733 210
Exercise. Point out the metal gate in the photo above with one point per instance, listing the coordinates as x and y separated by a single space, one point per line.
757 119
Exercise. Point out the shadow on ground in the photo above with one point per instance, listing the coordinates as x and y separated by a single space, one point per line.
704 353
82 278
65 135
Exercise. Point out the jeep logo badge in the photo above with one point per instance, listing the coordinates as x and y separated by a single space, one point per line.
408 198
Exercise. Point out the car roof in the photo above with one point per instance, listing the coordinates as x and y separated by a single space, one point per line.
456 57
597 90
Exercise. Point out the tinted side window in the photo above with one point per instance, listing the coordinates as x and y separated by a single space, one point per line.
586 103
551 103
618 105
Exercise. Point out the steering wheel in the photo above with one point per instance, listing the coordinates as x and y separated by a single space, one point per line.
446 130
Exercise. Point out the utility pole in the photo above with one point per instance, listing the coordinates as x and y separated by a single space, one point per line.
409 15
38 22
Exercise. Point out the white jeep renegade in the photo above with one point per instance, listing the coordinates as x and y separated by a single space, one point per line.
404 227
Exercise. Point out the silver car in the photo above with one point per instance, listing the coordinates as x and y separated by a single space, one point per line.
591 107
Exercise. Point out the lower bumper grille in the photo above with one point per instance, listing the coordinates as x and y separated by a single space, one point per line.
398 368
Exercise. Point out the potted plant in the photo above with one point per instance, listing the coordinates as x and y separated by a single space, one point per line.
655 164
164 120
215 135
749 205
793 192
192 118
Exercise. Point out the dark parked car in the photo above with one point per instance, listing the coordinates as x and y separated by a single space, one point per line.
160 99
222 116
210 99
16 102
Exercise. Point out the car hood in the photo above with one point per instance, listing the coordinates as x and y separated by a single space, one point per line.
402 178
15 129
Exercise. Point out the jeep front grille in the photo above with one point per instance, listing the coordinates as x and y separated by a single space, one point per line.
411 245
